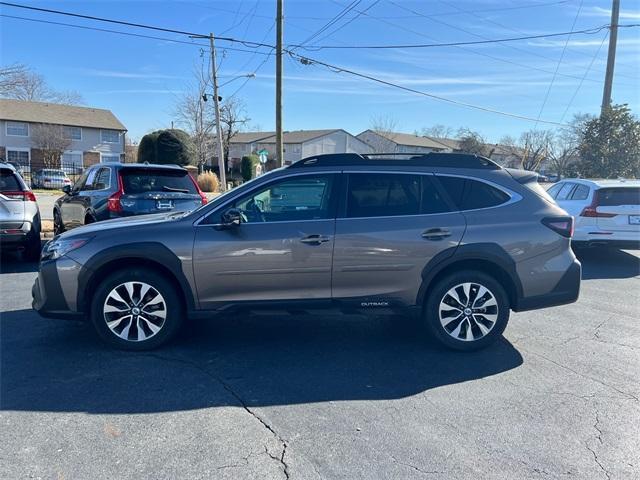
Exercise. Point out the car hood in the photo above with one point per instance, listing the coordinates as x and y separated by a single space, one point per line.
122 223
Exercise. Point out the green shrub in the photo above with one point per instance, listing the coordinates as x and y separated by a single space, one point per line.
167 146
248 166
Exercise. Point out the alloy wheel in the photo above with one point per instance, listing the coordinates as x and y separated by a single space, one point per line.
134 311
468 311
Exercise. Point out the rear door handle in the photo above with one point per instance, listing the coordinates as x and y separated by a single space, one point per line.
436 233
315 239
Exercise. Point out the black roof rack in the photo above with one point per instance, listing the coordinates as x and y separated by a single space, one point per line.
453 160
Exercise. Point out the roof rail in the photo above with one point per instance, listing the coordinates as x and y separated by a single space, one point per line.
452 160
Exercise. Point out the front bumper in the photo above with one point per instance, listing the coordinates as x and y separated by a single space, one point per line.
566 291
48 298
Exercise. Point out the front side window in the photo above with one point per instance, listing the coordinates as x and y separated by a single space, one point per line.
110 136
553 191
565 191
292 199
102 180
72 133
580 193
18 129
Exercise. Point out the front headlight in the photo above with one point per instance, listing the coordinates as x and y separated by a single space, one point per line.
59 247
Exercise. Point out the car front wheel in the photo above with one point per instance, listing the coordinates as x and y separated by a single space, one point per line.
467 310
136 309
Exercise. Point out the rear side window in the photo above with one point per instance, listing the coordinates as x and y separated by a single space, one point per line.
471 194
9 182
137 181
565 191
612 197
580 193
383 194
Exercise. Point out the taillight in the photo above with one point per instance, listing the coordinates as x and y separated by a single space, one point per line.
560 225
591 209
27 196
203 197
113 203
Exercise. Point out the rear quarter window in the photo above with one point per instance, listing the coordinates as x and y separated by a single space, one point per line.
470 194
612 197
137 181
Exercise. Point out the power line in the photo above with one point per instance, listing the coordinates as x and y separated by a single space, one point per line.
555 74
128 34
246 43
331 22
337 69
351 20
575 94
586 31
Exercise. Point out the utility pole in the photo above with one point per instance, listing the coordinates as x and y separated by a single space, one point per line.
611 58
216 102
279 144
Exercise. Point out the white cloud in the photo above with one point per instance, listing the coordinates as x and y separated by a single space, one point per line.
606 13
92 72
139 91
581 43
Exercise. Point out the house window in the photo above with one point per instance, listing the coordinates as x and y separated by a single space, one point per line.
18 129
109 157
73 133
71 162
110 136
20 158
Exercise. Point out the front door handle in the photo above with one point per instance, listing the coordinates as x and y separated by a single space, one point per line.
436 233
315 239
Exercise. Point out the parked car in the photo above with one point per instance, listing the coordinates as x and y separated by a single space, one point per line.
50 179
19 168
112 190
452 238
19 215
606 212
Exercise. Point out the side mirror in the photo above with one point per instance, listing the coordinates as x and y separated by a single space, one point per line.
66 189
231 218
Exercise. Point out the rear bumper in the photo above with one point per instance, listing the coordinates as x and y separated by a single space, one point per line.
566 291
14 237
48 298
607 242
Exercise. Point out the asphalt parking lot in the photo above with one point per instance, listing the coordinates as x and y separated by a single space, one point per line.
350 397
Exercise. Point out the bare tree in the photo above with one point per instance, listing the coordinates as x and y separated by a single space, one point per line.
20 83
385 127
130 151
233 119
437 131
532 148
51 141
473 142
196 116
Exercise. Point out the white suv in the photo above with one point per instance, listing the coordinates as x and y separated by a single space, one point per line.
606 212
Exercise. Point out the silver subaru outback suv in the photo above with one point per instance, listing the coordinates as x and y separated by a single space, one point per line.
453 239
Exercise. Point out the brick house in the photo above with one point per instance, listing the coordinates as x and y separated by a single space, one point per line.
95 135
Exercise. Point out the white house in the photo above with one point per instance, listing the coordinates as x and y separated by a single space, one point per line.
95 135
298 144
396 142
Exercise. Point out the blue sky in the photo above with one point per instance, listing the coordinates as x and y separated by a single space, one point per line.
140 79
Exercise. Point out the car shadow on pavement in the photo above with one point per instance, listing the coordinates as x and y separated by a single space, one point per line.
12 262
598 263
244 360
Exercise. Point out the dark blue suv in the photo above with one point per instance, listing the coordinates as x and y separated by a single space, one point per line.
111 190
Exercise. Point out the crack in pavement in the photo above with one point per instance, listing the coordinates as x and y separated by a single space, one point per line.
599 438
234 394
417 469
627 394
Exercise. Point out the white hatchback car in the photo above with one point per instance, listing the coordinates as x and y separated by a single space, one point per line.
606 212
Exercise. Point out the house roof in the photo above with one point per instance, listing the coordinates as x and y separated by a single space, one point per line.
250 137
58 114
301 136
451 143
410 140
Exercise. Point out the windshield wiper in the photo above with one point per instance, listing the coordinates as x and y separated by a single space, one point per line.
171 189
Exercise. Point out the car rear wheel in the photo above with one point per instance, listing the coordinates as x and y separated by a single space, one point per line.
58 226
467 310
136 310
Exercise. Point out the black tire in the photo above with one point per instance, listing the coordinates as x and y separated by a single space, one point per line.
33 247
58 226
443 335
172 307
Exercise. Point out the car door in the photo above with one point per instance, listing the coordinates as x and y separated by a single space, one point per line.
71 205
577 200
281 251
391 226
95 205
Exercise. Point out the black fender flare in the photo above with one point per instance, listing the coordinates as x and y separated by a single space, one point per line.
153 253
485 252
